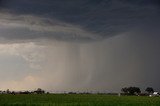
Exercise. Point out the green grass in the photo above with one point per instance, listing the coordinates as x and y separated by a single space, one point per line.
77 100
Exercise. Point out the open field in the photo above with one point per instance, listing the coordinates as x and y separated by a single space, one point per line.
77 100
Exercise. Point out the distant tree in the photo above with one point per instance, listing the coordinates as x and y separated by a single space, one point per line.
134 90
8 91
47 93
13 93
72 93
131 90
24 92
149 90
39 91
125 90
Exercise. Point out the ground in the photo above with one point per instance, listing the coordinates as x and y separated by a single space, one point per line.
77 100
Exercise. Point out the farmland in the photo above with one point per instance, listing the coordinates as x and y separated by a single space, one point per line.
76 100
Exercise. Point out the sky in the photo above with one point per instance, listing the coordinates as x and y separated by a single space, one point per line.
79 45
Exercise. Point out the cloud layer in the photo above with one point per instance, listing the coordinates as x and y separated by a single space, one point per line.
79 44
77 20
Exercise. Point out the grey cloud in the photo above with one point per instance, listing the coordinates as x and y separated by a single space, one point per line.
103 18
31 27
129 57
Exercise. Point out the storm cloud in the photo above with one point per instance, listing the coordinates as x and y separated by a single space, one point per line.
79 45
77 20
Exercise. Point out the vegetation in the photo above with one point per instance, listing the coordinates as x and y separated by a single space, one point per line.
76 100
38 91
131 90
41 98
149 90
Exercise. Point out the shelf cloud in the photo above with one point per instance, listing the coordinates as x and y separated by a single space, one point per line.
87 20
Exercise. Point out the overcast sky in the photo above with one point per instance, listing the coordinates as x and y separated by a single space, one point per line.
79 45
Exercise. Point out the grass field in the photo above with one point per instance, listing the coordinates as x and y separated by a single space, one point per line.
77 100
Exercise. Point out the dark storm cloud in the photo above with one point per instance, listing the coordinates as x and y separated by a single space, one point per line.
100 18
129 55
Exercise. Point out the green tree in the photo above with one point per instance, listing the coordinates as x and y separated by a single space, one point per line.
131 90
149 90
39 91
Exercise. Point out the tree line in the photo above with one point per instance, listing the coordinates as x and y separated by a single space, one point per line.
37 91
136 90
125 91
